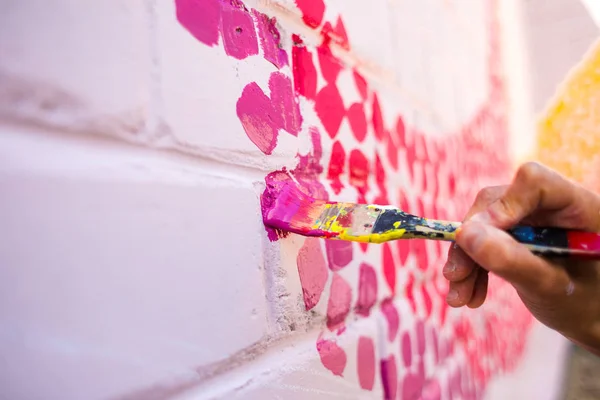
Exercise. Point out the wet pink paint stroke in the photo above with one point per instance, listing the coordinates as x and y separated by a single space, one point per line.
393 318
201 18
333 357
259 119
237 30
270 40
389 378
366 363
339 254
312 271
285 103
367 290
338 306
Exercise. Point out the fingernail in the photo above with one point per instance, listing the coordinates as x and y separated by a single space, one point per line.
483 217
452 295
472 236
449 267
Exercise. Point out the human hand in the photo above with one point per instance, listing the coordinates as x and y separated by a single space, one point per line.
562 294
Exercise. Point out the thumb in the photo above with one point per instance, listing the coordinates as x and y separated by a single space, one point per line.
497 252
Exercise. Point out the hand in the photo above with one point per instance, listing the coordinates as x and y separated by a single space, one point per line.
562 294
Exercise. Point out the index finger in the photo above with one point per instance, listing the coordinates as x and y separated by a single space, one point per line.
536 187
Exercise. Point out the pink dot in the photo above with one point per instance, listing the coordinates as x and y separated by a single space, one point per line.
411 386
358 121
313 272
367 290
393 318
237 29
431 391
366 363
201 18
389 377
406 350
392 152
285 102
339 253
329 107
338 306
427 301
332 356
270 40
260 120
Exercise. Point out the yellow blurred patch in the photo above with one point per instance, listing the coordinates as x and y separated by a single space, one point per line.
568 132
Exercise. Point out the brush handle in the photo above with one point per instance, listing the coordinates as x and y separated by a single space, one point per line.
558 242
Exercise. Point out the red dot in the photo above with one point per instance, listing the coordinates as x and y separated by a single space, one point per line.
305 73
366 363
377 119
361 85
367 290
336 166
392 152
427 301
358 121
312 11
338 306
341 35
389 267
359 171
330 65
330 109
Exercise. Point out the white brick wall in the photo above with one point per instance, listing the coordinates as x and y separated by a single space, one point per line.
133 260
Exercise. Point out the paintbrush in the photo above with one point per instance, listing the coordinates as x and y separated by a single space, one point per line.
288 209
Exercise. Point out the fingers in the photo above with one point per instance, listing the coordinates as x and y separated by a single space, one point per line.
467 280
536 188
461 292
480 289
499 253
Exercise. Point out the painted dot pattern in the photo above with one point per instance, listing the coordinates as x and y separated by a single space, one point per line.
422 351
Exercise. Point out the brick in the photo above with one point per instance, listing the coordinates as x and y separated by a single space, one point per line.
76 65
120 270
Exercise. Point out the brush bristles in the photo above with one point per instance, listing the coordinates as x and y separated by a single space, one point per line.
289 209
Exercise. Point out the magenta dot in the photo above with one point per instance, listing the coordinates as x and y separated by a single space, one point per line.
420 330
389 377
406 349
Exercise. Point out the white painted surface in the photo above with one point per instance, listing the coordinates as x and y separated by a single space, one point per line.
122 275
540 375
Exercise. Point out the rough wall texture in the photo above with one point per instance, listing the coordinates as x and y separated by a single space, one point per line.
136 140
